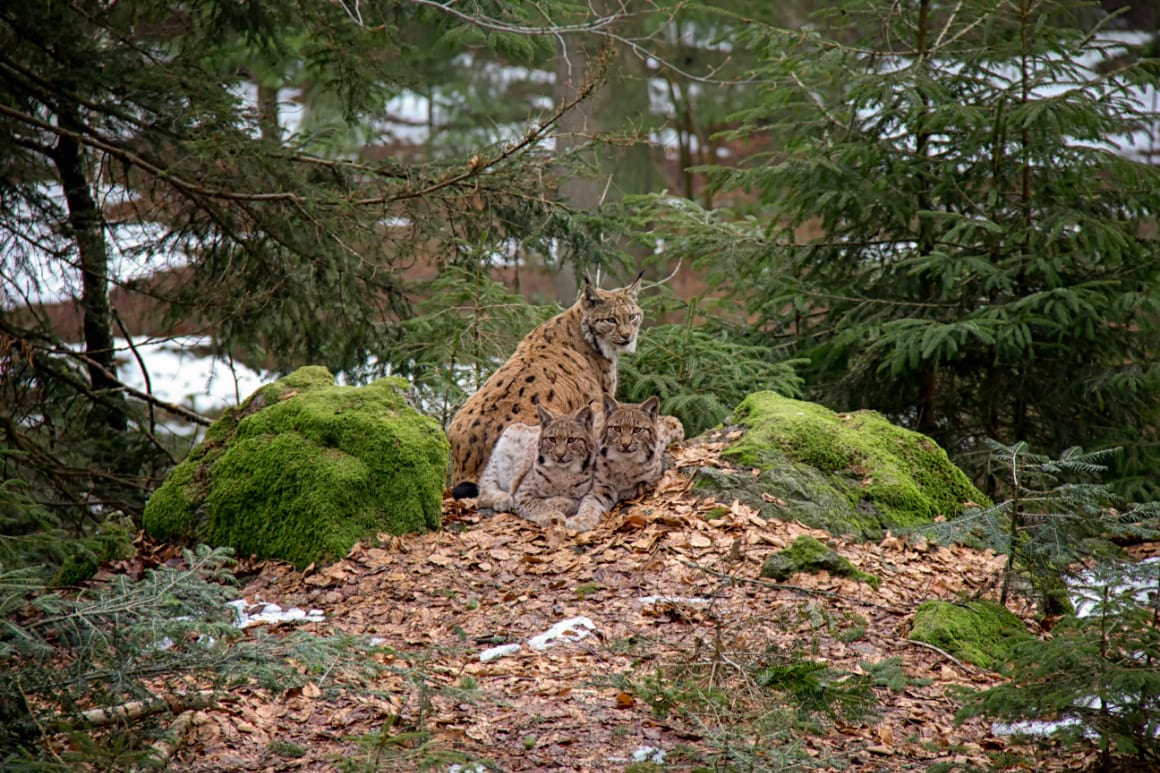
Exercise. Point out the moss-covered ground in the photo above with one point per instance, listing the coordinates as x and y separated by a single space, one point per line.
850 473
806 554
979 632
304 469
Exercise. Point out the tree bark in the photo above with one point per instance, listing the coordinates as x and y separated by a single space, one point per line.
268 113
577 127
87 225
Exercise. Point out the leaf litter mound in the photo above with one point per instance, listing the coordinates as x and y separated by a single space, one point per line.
668 582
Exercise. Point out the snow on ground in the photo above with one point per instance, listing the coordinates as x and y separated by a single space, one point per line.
184 371
1138 578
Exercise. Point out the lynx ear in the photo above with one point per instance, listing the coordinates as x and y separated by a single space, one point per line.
544 414
634 288
610 405
651 406
584 417
588 295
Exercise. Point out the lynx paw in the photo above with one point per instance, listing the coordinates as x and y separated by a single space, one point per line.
587 518
546 518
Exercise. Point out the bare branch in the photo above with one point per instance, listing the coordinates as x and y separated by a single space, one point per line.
666 280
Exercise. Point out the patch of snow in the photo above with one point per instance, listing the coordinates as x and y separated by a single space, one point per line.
178 374
572 629
39 264
1032 727
474 767
649 754
261 613
493 653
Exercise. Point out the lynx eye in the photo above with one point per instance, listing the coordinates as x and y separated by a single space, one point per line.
634 318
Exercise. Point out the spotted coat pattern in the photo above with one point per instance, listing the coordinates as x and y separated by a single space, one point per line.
630 458
563 365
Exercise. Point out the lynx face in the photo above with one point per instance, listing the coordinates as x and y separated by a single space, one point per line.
630 431
610 321
565 442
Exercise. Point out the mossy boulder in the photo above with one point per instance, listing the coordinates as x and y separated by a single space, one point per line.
806 554
979 632
303 469
848 473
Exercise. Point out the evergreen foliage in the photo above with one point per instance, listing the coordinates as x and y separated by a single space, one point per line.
701 369
1096 675
1053 515
70 661
131 137
465 326
945 227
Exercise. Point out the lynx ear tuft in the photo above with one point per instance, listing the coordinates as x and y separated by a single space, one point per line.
634 288
588 294
651 406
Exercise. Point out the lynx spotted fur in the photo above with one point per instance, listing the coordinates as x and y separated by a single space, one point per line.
630 459
541 472
563 365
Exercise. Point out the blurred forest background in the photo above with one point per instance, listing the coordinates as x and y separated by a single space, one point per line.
945 212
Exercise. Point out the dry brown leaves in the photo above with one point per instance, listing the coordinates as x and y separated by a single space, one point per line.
438 600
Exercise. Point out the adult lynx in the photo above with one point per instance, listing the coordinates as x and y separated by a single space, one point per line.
563 365
541 472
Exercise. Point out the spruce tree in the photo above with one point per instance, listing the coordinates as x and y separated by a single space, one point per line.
126 133
949 224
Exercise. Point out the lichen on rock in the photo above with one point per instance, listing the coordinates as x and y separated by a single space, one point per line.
848 473
806 554
303 469
980 632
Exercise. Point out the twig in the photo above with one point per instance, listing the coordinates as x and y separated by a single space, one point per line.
942 652
667 279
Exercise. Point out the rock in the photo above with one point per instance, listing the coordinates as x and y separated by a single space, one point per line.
979 632
848 473
303 469
807 554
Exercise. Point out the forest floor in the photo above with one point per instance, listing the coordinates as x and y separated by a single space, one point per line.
683 635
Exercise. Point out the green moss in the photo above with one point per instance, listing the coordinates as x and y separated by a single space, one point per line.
980 632
807 554
304 469
889 477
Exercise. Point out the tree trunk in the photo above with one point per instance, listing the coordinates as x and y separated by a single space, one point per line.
577 127
268 113
86 222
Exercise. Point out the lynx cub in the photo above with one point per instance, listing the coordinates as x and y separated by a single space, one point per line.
563 365
541 472
631 456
